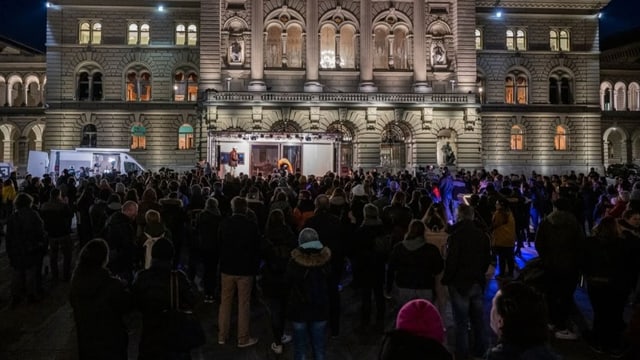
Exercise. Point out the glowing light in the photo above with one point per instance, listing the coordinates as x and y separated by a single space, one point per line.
161 8
498 13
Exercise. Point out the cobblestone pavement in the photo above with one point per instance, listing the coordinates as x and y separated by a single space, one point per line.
45 331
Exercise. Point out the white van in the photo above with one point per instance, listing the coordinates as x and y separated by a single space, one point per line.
82 161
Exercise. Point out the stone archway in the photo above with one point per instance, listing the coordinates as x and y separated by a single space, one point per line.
614 141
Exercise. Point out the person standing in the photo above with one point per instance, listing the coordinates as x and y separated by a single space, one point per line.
57 216
120 234
445 185
557 241
308 305
207 231
99 302
468 258
239 240
504 237
26 246
152 296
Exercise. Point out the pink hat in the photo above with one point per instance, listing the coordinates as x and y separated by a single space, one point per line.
421 318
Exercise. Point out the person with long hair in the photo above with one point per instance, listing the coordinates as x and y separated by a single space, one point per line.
436 233
278 242
415 256
606 270
99 302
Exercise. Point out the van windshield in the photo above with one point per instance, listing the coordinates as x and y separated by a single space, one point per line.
130 167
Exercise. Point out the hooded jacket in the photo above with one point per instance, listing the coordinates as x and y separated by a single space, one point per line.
307 273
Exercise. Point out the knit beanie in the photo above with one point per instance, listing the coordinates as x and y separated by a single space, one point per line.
162 249
421 318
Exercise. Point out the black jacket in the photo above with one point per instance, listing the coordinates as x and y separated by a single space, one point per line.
557 241
57 218
239 246
120 234
26 241
276 249
368 264
151 292
506 352
332 233
415 268
99 302
468 255
308 273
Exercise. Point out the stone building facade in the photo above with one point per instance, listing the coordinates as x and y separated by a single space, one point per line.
398 84
22 92
620 100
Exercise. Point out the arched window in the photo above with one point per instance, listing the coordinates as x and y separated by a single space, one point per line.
400 54
606 96
89 136
89 84
181 34
381 48
511 44
517 138
273 58
554 40
138 85
138 34
516 39
327 47
85 33
138 137
564 41
634 97
185 86
516 89
392 148
478 39
144 34
346 143
293 54
347 47
560 139
192 35
185 137
96 33
90 33
560 88
620 92
132 34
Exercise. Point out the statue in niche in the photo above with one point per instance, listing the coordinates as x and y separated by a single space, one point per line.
235 52
439 55
449 157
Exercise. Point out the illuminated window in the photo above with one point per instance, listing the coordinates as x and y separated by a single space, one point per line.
560 139
138 34
138 85
516 39
85 33
381 48
516 89
634 96
132 37
328 47
138 137
192 35
90 33
347 47
517 138
559 40
181 35
478 39
185 86
185 137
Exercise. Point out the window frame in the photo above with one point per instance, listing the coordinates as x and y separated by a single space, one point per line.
479 40
560 138
559 40
517 138
188 33
138 139
141 33
187 138
141 77
513 89
92 35
516 39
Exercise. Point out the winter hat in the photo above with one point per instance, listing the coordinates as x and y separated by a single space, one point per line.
162 249
309 239
421 318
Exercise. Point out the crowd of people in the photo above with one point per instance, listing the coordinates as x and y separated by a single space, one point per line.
429 241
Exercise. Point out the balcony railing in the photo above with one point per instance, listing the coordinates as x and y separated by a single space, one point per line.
339 98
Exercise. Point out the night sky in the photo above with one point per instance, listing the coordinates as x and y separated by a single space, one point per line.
24 20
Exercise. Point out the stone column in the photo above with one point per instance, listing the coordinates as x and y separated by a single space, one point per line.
366 40
257 47
7 147
465 48
420 84
312 83
210 45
